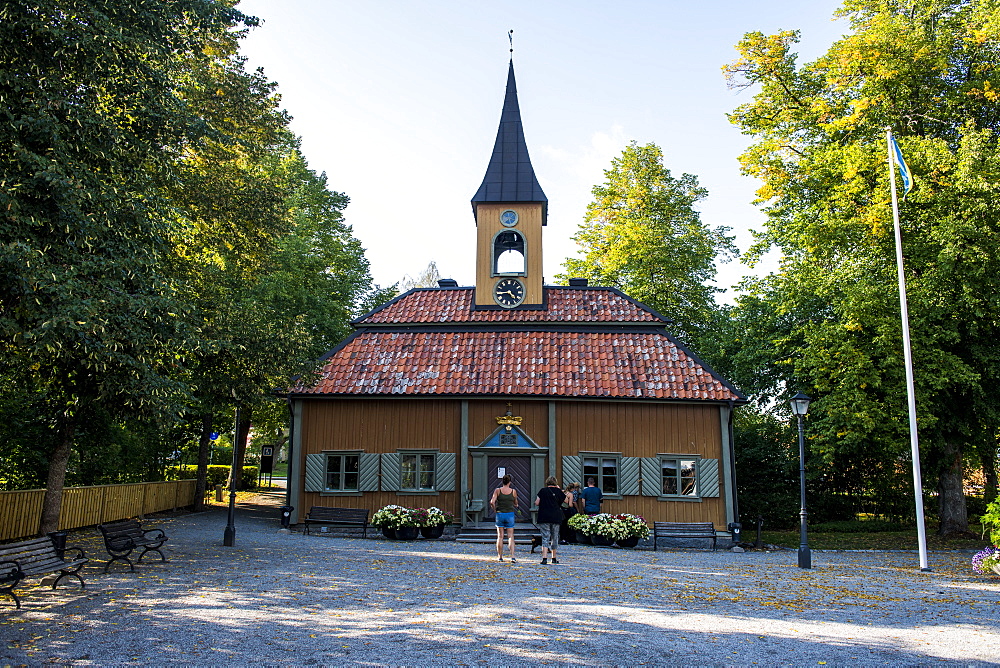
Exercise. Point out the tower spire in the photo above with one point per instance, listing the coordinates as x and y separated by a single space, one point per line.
509 176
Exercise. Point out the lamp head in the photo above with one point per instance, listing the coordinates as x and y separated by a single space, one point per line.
800 404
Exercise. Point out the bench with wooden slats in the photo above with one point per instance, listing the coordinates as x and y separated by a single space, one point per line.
124 536
338 517
36 557
684 530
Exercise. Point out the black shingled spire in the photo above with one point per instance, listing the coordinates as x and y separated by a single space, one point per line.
509 176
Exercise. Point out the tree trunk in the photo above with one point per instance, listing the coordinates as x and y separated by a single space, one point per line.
988 457
52 501
954 515
204 451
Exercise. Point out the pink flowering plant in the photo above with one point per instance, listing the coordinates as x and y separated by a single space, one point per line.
619 527
394 517
432 517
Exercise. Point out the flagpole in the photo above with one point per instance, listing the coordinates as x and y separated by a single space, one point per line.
918 489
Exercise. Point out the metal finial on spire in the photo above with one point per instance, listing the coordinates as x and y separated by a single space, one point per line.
510 36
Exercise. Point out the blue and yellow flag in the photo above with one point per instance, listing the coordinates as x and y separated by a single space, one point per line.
904 171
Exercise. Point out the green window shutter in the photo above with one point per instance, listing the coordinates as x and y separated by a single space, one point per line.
445 477
572 469
628 477
368 476
708 477
315 472
652 472
390 471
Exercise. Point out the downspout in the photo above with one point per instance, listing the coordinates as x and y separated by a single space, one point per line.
732 463
291 451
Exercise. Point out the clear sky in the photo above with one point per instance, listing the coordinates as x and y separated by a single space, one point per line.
399 103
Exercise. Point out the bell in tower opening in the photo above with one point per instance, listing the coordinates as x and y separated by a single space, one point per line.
508 253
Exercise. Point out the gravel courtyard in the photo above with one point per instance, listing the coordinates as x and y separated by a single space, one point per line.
289 599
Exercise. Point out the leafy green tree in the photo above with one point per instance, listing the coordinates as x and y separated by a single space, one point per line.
767 469
927 69
642 234
165 249
92 125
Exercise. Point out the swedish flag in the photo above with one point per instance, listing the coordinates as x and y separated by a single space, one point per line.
904 171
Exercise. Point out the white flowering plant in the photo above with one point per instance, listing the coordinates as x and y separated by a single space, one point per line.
394 517
619 527
582 523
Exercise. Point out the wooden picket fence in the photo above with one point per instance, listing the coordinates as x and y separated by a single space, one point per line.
21 510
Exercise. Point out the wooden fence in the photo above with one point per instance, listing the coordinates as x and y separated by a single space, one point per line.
21 511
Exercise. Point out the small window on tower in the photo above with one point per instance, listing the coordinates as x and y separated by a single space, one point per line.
508 253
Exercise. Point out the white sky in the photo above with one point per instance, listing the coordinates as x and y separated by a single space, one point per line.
399 103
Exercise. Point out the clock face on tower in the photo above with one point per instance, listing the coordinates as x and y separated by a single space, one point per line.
508 292
508 218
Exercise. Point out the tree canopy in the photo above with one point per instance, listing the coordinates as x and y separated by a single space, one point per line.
164 250
642 234
927 69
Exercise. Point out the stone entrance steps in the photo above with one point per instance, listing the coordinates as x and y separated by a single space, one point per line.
486 533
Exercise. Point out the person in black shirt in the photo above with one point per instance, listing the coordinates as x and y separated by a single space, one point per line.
550 515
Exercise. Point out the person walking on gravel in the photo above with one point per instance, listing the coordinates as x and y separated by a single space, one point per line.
550 500
504 505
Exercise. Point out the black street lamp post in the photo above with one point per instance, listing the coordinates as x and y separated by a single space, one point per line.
800 406
229 537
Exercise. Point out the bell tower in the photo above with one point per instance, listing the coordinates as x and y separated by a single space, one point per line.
510 210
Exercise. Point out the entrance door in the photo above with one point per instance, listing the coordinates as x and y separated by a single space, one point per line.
519 469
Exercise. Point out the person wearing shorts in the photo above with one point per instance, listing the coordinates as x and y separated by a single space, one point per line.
504 505
550 500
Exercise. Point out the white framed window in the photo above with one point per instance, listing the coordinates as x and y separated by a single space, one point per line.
678 477
605 470
417 471
342 472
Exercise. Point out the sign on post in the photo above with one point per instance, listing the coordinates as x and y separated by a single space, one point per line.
267 459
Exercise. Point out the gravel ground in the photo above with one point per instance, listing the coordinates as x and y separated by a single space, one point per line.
289 599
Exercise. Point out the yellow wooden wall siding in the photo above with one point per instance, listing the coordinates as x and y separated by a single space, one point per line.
21 511
483 419
633 430
375 425
638 430
530 225
646 430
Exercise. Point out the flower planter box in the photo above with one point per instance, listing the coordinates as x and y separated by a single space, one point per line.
432 532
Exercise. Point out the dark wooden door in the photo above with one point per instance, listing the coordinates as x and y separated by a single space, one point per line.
518 468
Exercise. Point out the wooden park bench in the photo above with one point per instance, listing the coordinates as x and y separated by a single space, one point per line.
124 536
684 530
338 517
38 556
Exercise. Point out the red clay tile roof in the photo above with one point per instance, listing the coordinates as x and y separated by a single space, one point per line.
582 364
578 305
588 342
